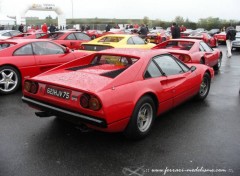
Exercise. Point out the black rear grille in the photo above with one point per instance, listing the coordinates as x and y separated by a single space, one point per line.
96 47
113 74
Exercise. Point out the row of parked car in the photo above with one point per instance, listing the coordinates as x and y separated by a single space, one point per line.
114 83
213 37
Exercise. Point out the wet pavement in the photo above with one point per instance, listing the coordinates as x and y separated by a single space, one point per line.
196 138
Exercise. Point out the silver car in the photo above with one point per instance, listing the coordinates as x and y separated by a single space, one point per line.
236 42
5 34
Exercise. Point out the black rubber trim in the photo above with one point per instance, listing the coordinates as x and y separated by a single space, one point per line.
53 110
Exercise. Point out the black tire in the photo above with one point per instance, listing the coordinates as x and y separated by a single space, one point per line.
219 63
138 127
10 80
204 87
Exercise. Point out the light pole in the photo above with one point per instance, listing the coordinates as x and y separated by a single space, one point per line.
72 9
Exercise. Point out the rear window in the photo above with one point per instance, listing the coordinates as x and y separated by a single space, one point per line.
181 45
113 60
111 39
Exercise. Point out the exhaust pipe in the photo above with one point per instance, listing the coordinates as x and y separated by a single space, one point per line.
42 114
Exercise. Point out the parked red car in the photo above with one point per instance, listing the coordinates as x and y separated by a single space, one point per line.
157 36
70 39
94 33
117 90
20 58
221 37
211 41
33 35
192 51
118 31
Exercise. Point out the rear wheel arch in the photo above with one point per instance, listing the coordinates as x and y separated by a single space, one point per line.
14 66
142 118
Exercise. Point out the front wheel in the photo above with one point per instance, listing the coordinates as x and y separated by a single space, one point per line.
142 119
10 79
204 87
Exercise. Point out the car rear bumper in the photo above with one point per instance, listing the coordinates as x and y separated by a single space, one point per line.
57 111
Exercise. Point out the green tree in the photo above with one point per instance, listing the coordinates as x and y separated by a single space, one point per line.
179 20
146 20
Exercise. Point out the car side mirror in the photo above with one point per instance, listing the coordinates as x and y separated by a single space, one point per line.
193 68
67 50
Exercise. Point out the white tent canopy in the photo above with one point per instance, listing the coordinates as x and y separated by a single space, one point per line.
4 20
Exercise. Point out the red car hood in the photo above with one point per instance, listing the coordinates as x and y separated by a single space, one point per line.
87 79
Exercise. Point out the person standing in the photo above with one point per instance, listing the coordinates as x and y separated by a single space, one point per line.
20 28
45 28
143 32
230 36
175 31
52 28
108 27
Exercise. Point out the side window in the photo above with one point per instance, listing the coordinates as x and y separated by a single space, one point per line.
46 48
201 48
206 47
71 37
183 66
152 71
138 41
168 65
24 50
130 41
81 36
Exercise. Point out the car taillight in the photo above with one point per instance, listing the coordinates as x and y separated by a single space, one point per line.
82 47
84 100
94 104
31 87
90 102
185 58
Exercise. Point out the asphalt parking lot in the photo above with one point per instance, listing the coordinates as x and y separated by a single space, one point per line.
196 138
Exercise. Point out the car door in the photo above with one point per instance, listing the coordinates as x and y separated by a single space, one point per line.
209 55
180 80
49 55
155 79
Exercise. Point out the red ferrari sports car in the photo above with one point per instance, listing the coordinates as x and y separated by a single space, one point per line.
94 33
211 41
157 36
221 37
20 58
32 35
117 90
70 39
192 51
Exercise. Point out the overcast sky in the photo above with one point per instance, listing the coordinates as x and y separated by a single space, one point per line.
154 9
